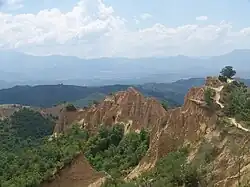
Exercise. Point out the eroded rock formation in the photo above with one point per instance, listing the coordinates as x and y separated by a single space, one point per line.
192 125
129 107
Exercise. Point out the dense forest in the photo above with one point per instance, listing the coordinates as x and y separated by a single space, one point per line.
40 96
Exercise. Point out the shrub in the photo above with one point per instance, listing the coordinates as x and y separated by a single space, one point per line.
95 102
238 104
115 153
164 105
222 78
171 171
208 96
70 108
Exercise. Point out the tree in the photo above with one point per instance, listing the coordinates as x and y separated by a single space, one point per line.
238 104
228 72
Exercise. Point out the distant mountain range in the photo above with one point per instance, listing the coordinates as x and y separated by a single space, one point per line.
49 95
21 69
81 96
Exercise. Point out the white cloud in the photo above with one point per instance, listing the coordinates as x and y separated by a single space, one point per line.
146 16
202 18
93 29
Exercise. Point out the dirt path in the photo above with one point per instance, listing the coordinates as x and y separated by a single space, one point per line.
199 102
216 98
217 95
238 125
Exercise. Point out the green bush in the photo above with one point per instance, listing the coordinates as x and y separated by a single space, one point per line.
171 171
238 104
208 96
70 108
115 153
164 105
222 78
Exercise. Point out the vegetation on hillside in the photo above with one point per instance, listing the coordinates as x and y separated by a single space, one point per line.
208 96
238 103
170 171
81 96
22 160
28 157
70 107
115 153
236 97
165 105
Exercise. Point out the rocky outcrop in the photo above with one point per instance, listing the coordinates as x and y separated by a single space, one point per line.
179 126
213 82
192 125
8 109
129 107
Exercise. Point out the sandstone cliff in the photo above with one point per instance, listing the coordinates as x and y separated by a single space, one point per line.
128 107
193 124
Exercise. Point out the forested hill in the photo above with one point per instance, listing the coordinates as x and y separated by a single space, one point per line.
48 95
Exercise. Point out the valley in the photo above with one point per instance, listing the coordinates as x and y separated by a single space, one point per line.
131 139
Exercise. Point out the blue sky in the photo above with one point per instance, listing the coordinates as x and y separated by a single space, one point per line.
126 27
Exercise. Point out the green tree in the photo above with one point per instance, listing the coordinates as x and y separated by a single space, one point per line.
228 72
115 153
238 103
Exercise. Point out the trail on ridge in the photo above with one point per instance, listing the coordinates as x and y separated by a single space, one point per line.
238 125
217 94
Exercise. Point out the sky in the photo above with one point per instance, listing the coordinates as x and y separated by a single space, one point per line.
125 28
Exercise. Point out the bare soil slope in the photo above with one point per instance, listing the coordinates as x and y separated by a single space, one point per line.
78 174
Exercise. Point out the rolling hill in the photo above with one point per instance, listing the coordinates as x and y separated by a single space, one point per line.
49 95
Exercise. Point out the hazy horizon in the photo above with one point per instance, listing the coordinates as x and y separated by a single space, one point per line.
97 42
12 51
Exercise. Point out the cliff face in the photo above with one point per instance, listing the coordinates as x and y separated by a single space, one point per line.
193 124
129 107
179 126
